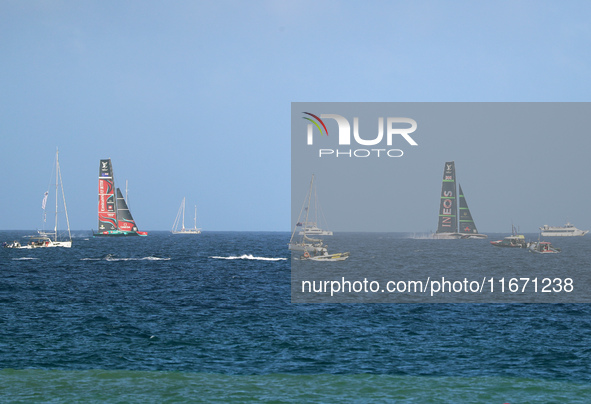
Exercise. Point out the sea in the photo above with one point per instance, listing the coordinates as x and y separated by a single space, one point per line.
209 318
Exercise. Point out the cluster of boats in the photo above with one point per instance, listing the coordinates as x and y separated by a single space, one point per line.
455 222
541 247
115 220
518 241
114 216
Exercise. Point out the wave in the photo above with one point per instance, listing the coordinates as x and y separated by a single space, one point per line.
249 257
137 259
24 259
420 236
110 257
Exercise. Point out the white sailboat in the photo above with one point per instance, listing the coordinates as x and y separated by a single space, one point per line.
180 222
313 249
45 239
311 228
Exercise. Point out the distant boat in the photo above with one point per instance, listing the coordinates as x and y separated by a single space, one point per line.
447 227
114 217
313 249
568 230
514 240
310 226
326 257
44 238
180 221
312 229
543 247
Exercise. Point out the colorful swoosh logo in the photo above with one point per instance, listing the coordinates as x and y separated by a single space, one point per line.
316 123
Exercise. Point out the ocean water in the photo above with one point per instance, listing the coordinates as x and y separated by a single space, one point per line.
479 272
209 318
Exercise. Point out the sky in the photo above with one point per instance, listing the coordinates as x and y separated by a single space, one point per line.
193 98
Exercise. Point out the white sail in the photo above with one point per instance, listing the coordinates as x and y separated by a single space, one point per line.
44 238
311 226
312 248
178 226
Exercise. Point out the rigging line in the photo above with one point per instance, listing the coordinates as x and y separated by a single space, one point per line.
64 198
324 223
49 183
307 198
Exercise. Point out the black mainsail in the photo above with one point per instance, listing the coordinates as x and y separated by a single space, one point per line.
447 227
125 221
467 225
448 205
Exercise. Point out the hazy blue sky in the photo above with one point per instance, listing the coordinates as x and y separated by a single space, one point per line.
193 98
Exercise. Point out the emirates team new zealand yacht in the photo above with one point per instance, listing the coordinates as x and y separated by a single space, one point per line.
114 217
567 230
448 211
45 239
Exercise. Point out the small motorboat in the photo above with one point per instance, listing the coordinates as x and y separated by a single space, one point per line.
543 247
516 241
41 241
325 256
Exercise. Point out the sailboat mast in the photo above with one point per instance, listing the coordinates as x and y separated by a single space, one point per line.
184 213
195 217
309 199
316 223
65 207
57 167
115 206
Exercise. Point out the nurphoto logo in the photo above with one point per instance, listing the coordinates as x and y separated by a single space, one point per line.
393 128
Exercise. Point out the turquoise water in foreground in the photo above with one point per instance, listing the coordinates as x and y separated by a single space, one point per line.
209 319
96 386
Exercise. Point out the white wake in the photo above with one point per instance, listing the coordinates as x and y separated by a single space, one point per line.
109 257
249 257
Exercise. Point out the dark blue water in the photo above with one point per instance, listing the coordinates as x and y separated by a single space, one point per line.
199 312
